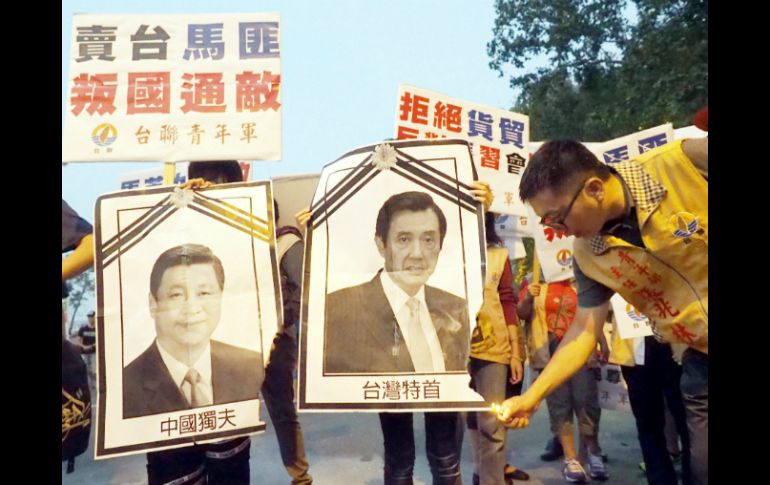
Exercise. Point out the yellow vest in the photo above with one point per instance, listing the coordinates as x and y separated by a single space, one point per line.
667 280
490 340
621 351
537 332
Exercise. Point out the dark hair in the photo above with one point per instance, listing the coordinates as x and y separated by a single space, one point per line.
556 164
184 255
276 214
489 224
216 171
407 201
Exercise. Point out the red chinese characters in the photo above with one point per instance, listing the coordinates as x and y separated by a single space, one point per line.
414 108
203 92
447 117
149 92
95 91
405 133
683 334
490 157
255 92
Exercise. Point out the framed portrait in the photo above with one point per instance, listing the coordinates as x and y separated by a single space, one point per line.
188 302
394 271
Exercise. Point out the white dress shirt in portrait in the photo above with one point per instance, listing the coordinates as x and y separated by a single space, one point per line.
398 300
178 371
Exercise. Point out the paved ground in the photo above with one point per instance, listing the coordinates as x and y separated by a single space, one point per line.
347 449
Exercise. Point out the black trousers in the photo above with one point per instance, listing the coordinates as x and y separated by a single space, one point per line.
440 444
215 463
648 384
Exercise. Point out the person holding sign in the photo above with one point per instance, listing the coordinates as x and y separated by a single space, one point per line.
409 217
226 461
641 230
496 364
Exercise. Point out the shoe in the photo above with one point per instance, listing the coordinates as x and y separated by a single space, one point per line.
553 450
513 473
596 468
573 471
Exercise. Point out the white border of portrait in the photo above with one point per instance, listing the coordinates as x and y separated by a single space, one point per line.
442 168
131 229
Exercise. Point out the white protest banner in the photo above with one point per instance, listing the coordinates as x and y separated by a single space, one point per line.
499 138
511 230
151 87
513 226
691 131
631 323
613 390
630 146
554 250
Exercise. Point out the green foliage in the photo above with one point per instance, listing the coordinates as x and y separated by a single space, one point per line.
610 71
79 287
520 267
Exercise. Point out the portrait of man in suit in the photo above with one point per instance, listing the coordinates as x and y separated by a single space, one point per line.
395 322
183 368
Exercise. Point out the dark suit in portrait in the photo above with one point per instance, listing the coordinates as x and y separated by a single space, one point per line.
362 331
148 388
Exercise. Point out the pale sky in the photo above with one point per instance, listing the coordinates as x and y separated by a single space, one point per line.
341 64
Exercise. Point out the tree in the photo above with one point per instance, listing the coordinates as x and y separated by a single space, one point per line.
80 286
610 72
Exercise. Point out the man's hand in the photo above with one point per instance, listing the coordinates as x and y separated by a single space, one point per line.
482 193
534 289
515 412
303 216
198 183
517 370
604 355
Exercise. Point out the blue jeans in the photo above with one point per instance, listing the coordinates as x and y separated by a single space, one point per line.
440 444
695 393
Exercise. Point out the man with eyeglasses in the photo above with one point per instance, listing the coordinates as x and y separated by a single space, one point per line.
641 229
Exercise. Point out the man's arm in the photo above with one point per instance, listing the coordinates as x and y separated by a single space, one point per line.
79 343
80 259
526 303
575 349
697 150
292 265
76 237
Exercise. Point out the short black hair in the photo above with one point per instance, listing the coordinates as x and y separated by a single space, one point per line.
407 201
556 164
185 255
216 171
489 225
